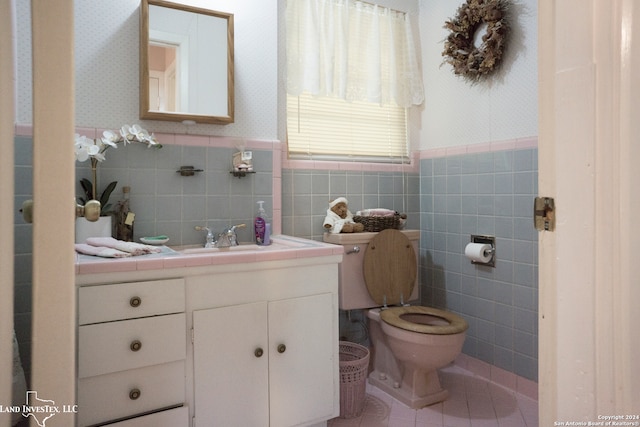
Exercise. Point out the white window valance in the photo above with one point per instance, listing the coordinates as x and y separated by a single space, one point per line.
351 50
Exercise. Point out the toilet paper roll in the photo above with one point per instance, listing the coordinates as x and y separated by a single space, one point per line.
478 252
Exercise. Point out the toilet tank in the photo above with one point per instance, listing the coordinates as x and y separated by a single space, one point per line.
352 289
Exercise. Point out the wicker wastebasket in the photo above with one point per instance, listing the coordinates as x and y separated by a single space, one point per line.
354 366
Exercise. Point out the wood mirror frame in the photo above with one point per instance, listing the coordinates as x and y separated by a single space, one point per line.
220 63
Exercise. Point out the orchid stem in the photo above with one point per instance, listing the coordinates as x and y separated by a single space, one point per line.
94 167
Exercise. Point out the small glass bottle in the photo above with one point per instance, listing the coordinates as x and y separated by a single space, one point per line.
124 217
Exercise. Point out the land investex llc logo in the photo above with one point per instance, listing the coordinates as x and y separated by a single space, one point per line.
40 409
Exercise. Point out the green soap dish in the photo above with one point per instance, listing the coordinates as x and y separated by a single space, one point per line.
155 240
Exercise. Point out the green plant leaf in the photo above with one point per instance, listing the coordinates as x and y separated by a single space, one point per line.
104 198
87 187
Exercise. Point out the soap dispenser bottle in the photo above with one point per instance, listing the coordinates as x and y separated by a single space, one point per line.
261 228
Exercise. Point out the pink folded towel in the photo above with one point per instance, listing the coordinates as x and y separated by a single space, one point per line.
100 251
130 247
376 212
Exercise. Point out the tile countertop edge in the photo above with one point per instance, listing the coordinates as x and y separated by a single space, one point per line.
288 248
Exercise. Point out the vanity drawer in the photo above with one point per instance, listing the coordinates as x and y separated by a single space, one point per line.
105 303
127 344
127 393
178 417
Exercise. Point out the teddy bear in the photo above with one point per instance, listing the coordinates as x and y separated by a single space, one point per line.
339 219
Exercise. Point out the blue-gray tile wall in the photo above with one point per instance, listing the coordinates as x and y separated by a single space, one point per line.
167 203
164 202
307 193
487 193
450 199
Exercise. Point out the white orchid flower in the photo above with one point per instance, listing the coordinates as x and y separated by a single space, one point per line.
85 148
110 138
101 145
137 132
126 133
82 155
152 140
94 149
142 135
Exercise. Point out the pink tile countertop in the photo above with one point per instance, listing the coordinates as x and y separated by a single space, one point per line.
282 248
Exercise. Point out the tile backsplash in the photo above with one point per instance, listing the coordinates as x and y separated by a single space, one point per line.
167 203
306 194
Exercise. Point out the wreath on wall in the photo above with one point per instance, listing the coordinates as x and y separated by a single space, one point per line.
468 60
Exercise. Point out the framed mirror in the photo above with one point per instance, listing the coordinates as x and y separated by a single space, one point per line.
186 63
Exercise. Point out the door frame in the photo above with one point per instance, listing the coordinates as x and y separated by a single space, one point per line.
53 356
586 162
7 118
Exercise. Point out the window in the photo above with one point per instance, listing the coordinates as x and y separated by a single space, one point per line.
323 127
351 74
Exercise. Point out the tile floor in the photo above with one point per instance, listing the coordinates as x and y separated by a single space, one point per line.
473 402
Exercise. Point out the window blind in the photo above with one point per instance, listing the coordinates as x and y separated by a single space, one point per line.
332 128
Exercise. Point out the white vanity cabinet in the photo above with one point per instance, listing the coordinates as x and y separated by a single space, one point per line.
265 346
237 342
266 363
131 354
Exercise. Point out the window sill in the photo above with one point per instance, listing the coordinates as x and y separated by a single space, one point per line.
411 167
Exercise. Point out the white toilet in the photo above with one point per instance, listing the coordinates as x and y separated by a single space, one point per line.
409 343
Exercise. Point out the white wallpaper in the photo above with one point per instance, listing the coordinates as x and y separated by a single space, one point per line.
504 108
455 113
106 57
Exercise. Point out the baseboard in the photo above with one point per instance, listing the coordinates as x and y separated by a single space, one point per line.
499 376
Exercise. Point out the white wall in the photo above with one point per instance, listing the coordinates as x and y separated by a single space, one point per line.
455 113
504 108
107 66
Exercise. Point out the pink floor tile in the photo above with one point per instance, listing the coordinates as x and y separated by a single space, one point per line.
430 415
400 411
474 401
483 422
401 422
514 420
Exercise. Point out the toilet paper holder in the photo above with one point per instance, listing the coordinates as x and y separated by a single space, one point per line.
490 240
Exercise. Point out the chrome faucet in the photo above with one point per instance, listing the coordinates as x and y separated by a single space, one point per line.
228 237
211 241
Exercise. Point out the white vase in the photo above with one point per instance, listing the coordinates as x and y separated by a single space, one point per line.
86 229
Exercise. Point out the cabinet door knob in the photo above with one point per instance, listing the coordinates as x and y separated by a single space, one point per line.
259 352
282 348
135 345
134 393
135 301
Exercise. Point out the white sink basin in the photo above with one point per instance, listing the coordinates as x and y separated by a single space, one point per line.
201 250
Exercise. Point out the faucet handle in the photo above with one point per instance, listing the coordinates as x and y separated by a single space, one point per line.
230 234
203 228
210 237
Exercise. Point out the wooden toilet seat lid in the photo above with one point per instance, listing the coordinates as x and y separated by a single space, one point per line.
390 267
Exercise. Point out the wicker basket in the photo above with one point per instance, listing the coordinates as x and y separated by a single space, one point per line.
354 366
378 223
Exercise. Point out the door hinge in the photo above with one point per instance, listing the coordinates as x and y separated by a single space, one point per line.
544 214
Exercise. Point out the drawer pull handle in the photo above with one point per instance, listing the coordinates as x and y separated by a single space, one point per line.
282 348
135 301
259 352
134 394
135 345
